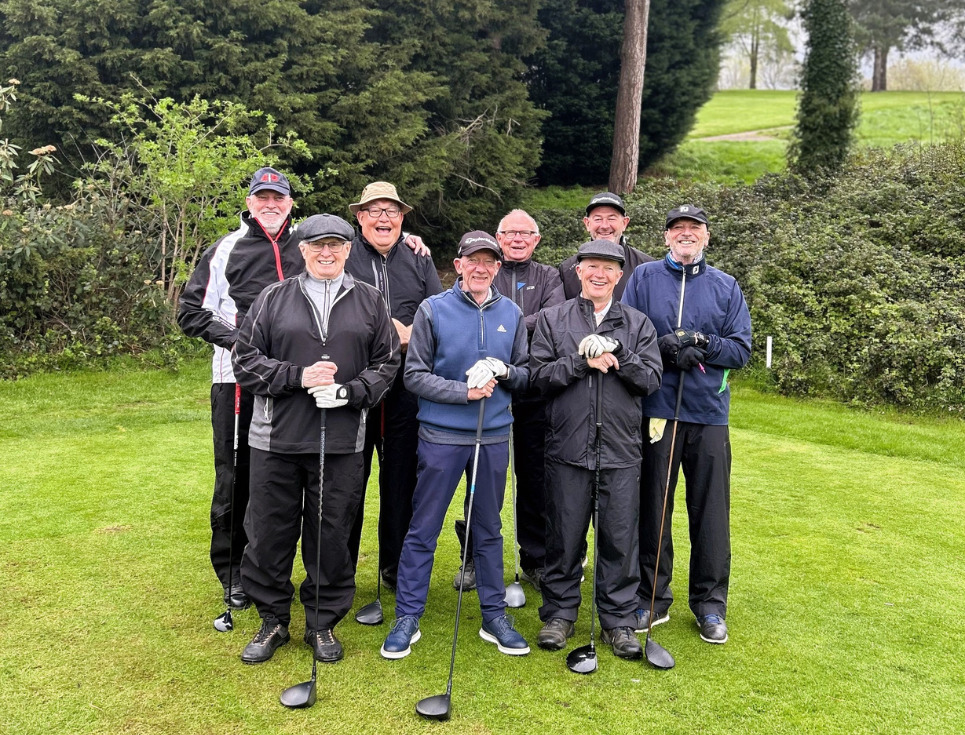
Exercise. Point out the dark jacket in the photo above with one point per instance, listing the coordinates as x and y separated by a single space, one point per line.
281 336
571 282
569 383
714 305
228 278
531 286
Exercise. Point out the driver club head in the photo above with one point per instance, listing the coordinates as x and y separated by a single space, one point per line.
300 696
223 623
438 707
582 660
371 614
658 656
515 597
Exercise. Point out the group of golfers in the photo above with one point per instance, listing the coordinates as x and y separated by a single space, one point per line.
603 377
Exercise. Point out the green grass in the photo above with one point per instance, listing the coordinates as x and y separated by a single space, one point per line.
844 601
887 119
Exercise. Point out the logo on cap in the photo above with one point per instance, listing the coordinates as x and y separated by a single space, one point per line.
684 208
269 178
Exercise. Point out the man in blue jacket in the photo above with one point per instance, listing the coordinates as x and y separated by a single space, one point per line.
704 331
467 344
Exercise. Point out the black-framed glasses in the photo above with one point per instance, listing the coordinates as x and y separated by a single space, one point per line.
376 212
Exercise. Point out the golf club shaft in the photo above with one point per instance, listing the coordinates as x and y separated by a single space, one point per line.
462 577
512 473
596 500
231 504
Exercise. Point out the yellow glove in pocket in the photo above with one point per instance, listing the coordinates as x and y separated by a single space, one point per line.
656 429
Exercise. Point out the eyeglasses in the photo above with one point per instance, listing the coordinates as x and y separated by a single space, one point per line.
520 233
317 247
487 263
376 212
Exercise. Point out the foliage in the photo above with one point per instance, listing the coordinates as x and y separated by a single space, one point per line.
759 28
575 79
827 109
183 167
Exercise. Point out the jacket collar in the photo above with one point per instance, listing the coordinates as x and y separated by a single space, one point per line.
691 269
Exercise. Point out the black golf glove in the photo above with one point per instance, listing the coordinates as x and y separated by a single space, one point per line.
690 357
669 346
690 338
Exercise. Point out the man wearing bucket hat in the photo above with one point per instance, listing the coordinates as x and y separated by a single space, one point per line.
468 345
405 278
606 219
321 340
592 358
704 332
228 277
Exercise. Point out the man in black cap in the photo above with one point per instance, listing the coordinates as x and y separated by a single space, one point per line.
704 332
228 277
467 344
321 340
593 358
606 219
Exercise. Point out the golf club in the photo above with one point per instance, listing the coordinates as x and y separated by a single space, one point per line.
515 597
303 695
582 660
658 656
439 706
371 614
223 623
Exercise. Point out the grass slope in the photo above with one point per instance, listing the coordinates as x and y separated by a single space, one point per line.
843 608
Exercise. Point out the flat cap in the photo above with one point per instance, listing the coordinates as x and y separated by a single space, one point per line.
601 249
320 226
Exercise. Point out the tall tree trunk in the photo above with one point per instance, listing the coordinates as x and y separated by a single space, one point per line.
879 76
626 124
755 51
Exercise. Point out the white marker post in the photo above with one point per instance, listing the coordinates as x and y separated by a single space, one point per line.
770 344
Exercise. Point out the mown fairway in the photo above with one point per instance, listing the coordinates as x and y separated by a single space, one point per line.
845 600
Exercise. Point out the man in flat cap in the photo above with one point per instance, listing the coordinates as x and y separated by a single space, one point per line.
317 351
606 219
704 332
466 354
592 358
405 277
228 277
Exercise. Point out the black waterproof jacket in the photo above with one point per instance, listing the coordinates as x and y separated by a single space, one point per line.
632 258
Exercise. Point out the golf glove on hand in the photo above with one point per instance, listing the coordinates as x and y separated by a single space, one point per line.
669 346
594 345
484 371
656 429
329 396
690 357
690 338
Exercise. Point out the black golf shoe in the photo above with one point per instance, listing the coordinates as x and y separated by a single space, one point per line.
534 576
325 645
553 635
713 629
624 642
470 578
271 636
235 597
643 619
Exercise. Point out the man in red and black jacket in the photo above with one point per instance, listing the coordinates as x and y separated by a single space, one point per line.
228 278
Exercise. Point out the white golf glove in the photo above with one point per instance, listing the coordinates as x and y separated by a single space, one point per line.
594 345
485 370
329 396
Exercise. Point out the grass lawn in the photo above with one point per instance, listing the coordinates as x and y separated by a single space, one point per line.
844 604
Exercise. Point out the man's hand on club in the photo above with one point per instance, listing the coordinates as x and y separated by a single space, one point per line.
604 362
690 357
594 345
486 391
329 396
404 333
690 338
321 373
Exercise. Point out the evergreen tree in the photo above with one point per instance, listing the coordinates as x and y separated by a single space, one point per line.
828 105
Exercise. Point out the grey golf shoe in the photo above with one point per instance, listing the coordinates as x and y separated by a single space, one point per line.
469 583
272 636
623 642
713 629
644 618
325 645
553 635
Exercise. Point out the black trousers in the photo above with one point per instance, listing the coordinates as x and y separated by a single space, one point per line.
569 505
284 502
224 524
704 454
393 432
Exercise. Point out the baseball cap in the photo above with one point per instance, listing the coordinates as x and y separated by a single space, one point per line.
269 178
477 240
320 226
606 199
601 249
686 211
379 190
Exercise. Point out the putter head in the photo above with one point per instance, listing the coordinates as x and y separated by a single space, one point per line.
438 707
658 656
582 660
300 696
223 623
515 597
371 614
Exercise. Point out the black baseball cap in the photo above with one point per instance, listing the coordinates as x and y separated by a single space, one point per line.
601 249
320 226
269 178
477 240
606 199
686 211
